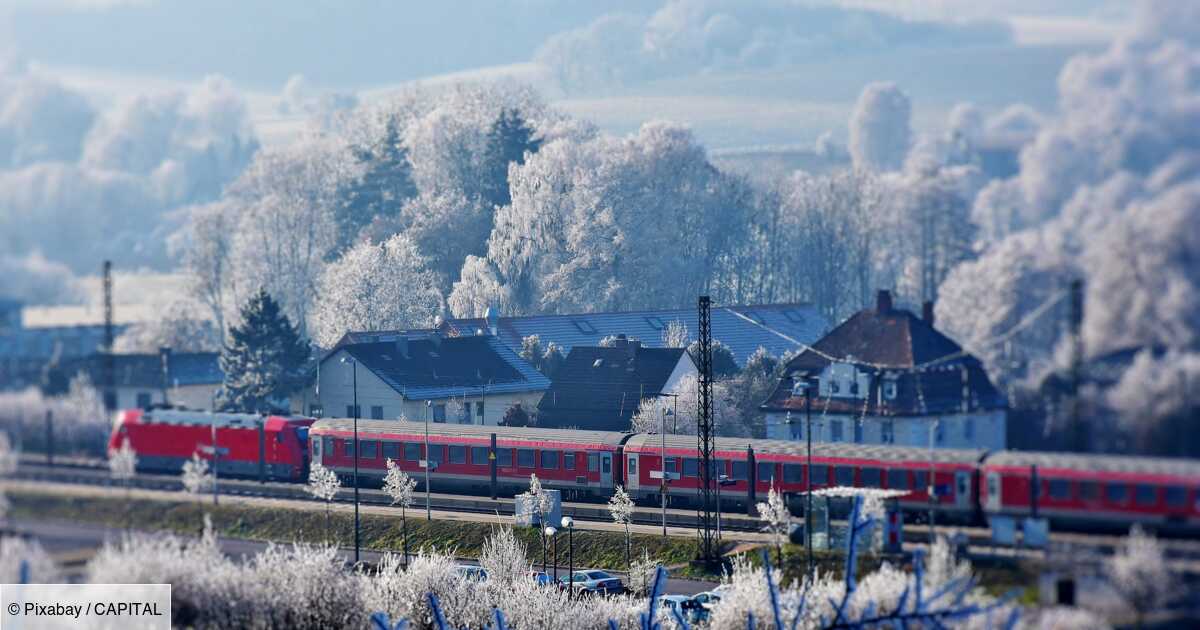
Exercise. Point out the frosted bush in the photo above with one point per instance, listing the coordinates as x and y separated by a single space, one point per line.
14 551
81 425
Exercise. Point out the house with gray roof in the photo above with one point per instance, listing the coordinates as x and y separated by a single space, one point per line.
181 379
414 374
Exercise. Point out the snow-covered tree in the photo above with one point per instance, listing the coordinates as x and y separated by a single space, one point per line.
777 520
684 418
400 487
620 507
9 458
39 566
264 358
182 326
547 360
323 485
879 127
122 467
504 558
375 287
675 335
196 477
1138 572
641 574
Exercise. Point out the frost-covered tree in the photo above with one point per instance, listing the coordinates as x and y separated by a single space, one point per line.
675 335
400 488
777 520
537 502
263 359
122 467
724 365
26 555
9 458
641 574
205 249
879 128
375 287
504 557
730 420
1138 572
620 507
547 360
323 485
516 416
180 327
385 182
1156 402
196 477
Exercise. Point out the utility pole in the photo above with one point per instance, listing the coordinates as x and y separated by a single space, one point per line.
428 462
704 432
1077 435
110 370
808 519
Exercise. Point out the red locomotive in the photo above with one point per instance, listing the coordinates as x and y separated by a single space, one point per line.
250 445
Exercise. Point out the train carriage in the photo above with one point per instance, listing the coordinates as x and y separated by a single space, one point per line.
249 445
580 463
783 465
1079 491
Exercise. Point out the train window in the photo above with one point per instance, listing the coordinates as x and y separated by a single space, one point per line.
479 455
1116 492
369 448
740 471
328 446
412 452
844 475
897 479
504 457
348 448
568 461
1060 489
691 467
671 465
1175 496
436 453
793 473
820 475
1145 494
524 458
632 465
766 472
1089 490
593 462
391 450
550 459
458 454
606 463
871 477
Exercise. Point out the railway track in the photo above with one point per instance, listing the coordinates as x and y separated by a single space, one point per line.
95 473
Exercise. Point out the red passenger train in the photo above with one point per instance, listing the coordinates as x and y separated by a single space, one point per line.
250 445
1072 490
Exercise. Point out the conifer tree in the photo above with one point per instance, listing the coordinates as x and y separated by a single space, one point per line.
263 358
385 185
509 139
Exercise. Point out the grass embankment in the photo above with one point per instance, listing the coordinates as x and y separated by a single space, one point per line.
282 524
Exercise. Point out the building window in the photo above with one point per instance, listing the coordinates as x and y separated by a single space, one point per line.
853 388
525 458
793 473
593 462
458 454
479 455
439 413
479 410
834 386
939 432
844 475
377 412
504 457
889 389
887 432
858 432
315 410
412 452
369 448
353 412
143 400
835 430
550 460
766 471
391 450
969 430
568 461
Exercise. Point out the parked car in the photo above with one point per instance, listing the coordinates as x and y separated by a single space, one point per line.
598 582
687 607
708 599
472 572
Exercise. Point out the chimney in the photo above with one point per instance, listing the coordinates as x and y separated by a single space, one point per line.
927 312
883 302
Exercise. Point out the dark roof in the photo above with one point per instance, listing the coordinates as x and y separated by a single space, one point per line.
780 328
431 366
145 370
601 388
927 366
41 343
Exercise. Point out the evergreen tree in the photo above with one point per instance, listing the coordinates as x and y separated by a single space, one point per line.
382 190
723 363
509 139
263 359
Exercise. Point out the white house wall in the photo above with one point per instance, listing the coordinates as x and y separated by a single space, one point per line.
989 429
683 369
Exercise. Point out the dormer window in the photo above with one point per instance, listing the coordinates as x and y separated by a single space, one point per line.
853 388
835 387
889 389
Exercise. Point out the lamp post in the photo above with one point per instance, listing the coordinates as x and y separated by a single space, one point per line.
357 535
722 480
932 489
428 461
569 524
215 453
553 534
665 478
808 519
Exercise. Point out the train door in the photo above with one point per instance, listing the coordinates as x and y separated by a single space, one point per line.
993 492
316 449
962 489
606 470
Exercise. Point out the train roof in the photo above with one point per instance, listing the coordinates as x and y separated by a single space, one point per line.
184 417
1098 463
882 452
566 436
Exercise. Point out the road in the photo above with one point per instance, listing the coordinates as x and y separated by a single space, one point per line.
72 544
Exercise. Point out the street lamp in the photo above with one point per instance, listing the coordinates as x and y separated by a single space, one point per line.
357 539
665 474
569 523
722 480
808 519
932 489
552 534
428 461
